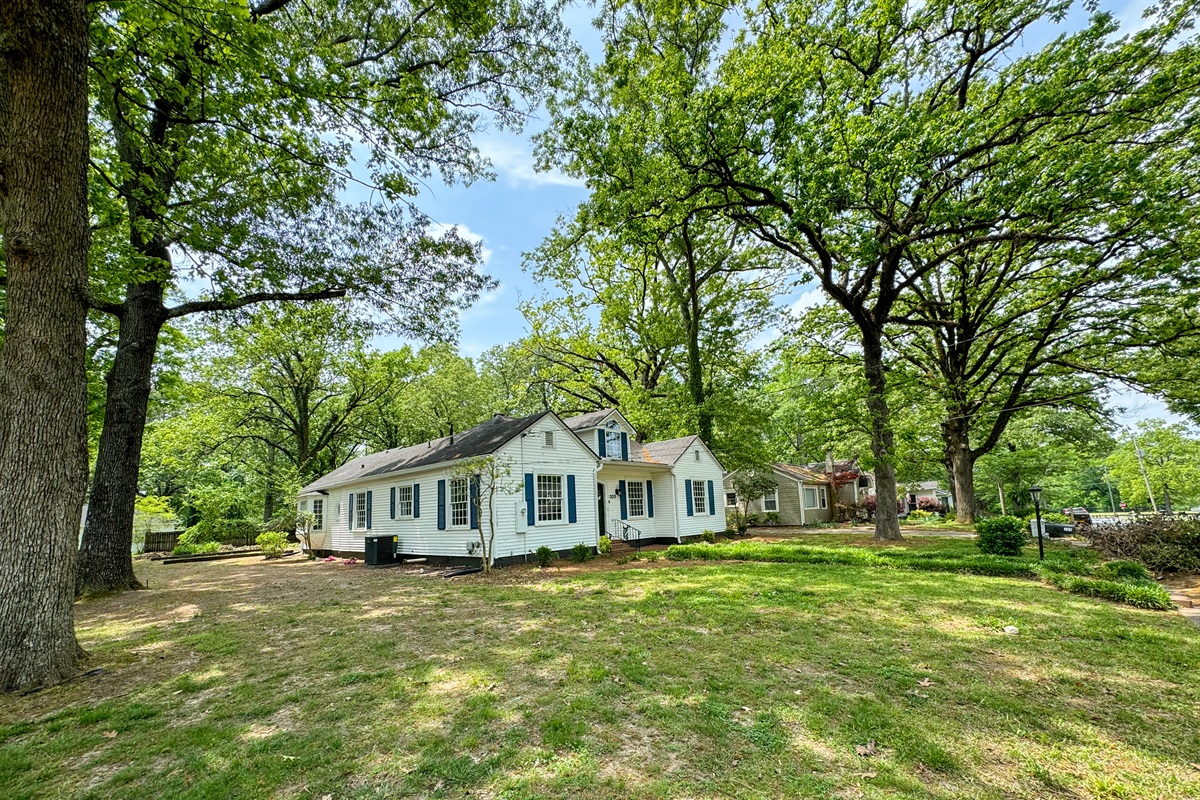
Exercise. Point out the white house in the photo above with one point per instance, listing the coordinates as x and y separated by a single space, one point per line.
570 483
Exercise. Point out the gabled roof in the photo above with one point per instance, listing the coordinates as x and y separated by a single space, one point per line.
668 451
589 420
484 439
798 473
848 465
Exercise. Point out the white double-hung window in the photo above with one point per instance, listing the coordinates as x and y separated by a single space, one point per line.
404 501
318 514
549 498
636 498
360 511
699 497
770 502
460 502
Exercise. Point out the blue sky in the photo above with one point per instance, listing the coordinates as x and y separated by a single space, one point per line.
511 215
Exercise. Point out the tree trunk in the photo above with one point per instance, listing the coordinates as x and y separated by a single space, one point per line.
883 440
695 384
106 560
43 424
956 435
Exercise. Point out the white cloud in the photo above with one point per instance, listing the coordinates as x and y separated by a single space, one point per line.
808 299
514 161
439 228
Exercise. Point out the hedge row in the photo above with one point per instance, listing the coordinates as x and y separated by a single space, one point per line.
1119 582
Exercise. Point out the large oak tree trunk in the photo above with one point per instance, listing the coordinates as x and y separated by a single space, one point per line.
106 560
43 434
956 435
883 440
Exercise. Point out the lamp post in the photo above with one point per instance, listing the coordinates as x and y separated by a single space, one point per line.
1035 494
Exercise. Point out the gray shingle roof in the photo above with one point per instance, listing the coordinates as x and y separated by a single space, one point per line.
482 440
668 451
588 420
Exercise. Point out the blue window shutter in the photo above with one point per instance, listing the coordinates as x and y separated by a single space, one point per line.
601 439
441 505
530 509
416 500
350 517
368 510
393 505
649 498
712 500
624 507
624 446
571 516
687 491
473 495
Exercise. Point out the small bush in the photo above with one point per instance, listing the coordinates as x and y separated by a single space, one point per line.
1052 518
652 556
708 536
219 530
1123 571
545 556
772 518
581 553
929 505
272 543
1000 536
195 549
922 517
604 545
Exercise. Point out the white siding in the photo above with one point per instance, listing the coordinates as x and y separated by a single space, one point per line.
705 469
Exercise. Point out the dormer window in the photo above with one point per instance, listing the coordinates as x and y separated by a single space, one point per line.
612 439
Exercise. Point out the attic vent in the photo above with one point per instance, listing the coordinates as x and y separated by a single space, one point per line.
697 455
549 438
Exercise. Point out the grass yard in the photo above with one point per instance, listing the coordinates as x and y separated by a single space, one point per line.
716 680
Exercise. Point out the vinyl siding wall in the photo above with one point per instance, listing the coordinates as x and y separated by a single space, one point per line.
706 469
790 500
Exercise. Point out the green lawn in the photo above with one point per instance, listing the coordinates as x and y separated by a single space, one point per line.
719 680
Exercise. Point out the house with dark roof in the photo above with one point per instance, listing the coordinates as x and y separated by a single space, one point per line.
570 482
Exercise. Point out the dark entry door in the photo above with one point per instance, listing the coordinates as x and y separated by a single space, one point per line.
600 502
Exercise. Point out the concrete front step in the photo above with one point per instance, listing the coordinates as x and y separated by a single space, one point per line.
1182 600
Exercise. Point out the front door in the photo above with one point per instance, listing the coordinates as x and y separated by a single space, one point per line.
601 504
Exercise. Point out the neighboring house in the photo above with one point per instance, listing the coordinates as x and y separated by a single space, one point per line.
569 484
854 485
912 491
801 497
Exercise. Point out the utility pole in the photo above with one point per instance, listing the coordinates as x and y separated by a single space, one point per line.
1111 502
1137 448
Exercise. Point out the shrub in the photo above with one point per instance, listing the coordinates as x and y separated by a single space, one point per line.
219 530
545 556
195 548
1000 536
652 556
604 545
1163 545
772 518
272 543
922 517
1138 593
581 553
929 505
708 536
1123 571
1052 518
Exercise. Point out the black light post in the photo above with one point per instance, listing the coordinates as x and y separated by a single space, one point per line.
1035 494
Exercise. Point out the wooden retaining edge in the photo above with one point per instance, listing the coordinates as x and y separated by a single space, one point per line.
217 557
